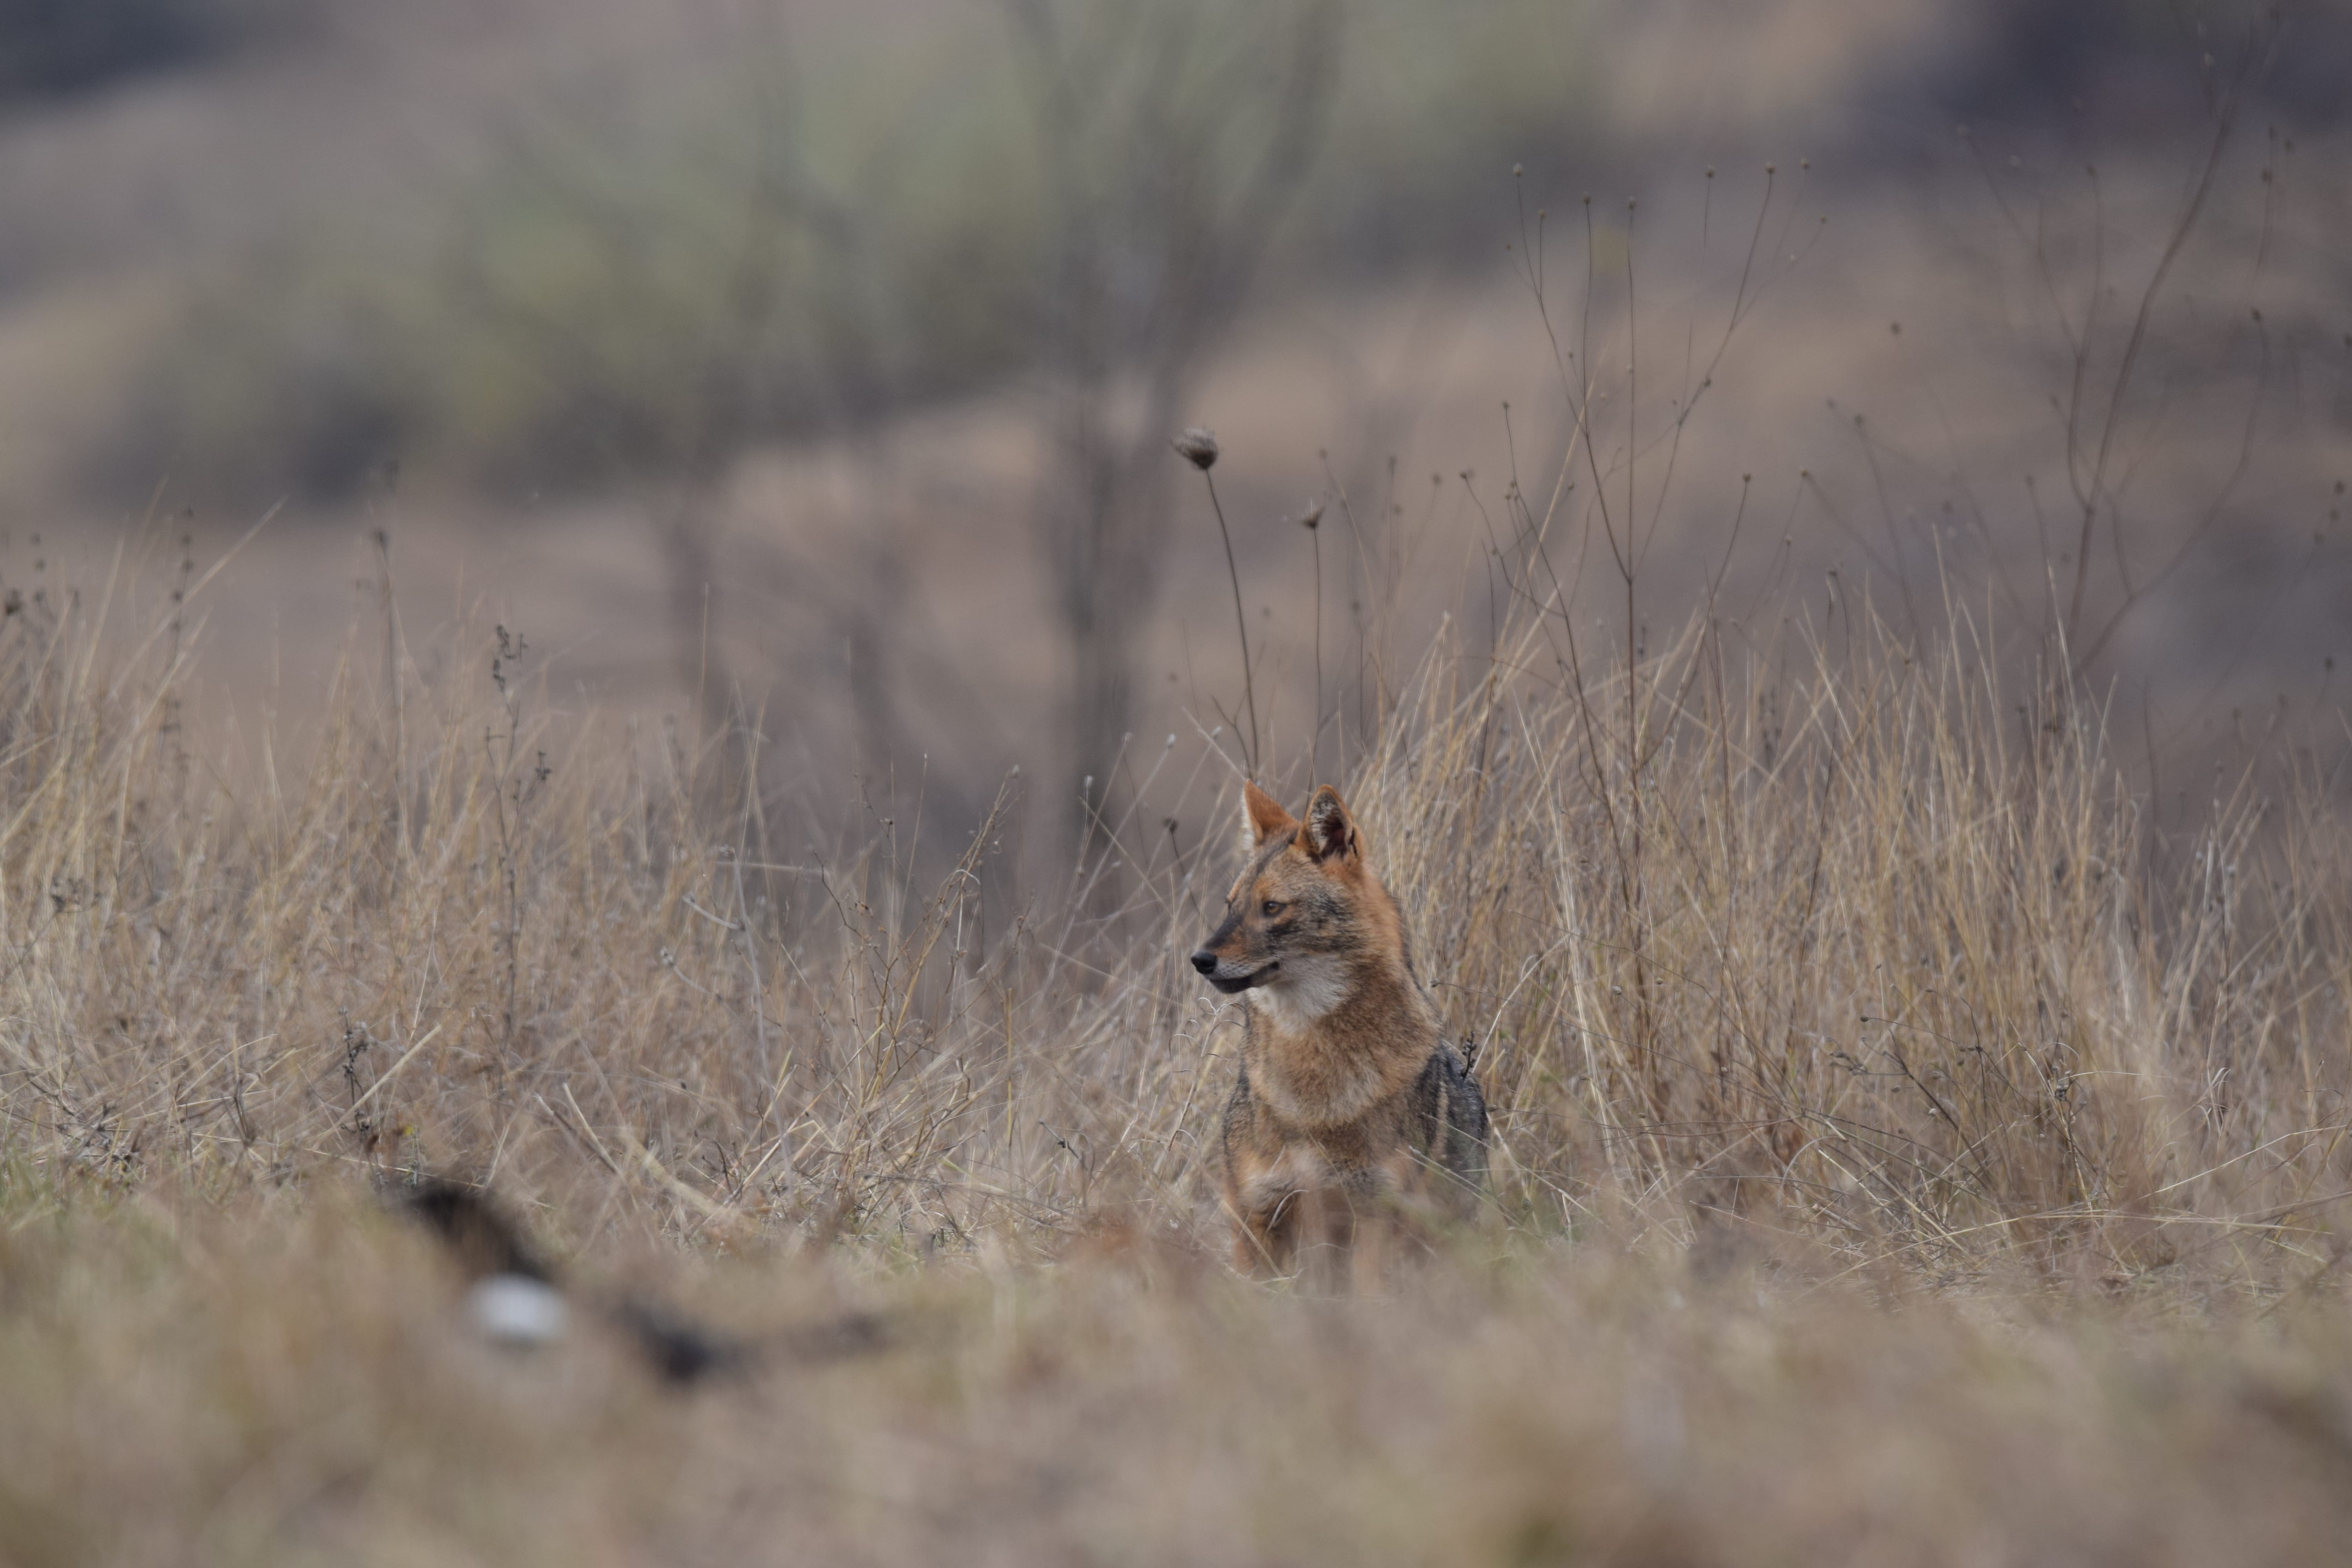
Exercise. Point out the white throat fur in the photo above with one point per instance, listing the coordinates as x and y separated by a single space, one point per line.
1303 994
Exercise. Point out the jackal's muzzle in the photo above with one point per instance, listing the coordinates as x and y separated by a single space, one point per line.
1231 978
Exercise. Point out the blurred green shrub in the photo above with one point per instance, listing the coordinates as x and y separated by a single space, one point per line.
646 285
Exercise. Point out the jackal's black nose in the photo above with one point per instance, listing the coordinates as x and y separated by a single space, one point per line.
1205 961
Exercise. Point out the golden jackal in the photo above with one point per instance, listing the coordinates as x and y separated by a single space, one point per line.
1351 1110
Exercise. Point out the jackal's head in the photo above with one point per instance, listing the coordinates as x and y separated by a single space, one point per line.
1305 908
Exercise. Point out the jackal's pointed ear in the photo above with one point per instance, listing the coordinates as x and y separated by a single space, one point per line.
1330 832
1266 817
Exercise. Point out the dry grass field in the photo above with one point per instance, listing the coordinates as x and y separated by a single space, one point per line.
1899 1156
1838 667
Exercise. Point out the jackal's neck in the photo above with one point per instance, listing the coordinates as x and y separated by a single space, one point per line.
1366 995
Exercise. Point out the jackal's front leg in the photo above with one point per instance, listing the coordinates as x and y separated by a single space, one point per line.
1330 1231
1265 1236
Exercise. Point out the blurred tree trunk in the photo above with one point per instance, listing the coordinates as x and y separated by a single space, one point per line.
1172 138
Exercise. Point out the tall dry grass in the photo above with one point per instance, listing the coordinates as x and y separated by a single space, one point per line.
1829 934
1814 975
1844 937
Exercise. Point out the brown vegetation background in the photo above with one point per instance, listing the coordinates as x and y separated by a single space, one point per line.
597 602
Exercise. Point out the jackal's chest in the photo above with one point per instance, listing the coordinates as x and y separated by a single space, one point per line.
1313 1080
1301 1167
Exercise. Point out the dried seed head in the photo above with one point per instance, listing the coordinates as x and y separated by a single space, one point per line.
1312 517
1199 448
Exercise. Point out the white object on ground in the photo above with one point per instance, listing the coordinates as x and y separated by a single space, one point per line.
516 1310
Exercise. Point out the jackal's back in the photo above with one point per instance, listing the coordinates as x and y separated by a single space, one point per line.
1450 1111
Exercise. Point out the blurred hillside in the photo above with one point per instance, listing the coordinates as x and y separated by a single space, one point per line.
544 248
813 363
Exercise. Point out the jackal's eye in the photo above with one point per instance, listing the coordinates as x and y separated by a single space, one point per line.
1271 908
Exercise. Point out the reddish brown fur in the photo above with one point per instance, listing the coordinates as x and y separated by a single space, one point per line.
1352 1112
